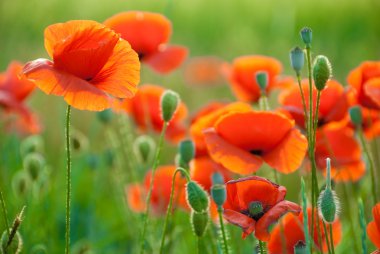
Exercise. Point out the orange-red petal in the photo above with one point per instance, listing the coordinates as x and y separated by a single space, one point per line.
246 223
167 58
372 89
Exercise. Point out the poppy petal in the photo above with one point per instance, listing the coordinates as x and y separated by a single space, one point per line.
372 90
76 92
374 233
19 88
231 157
272 216
135 194
167 58
376 215
246 223
287 156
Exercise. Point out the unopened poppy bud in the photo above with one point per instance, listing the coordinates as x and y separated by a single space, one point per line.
169 104
78 141
144 147
218 194
356 115
32 144
197 197
21 184
34 164
105 116
297 59
306 35
199 222
14 247
217 178
321 72
262 80
187 150
300 248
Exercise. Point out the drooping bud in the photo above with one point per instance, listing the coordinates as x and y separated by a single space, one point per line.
32 144
356 115
186 150
15 246
322 72
169 103
34 163
297 59
39 249
199 222
218 194
217 178
79 142
262 80
144 147
197 197
328 203
105 116
307 36
21 184
300 248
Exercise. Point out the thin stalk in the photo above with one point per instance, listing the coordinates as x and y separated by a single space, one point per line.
4 212
305 218
199 246
220 210
371 166
332 240
68 179
147 202
303 101
262 247
363 226
326 237
347 201
168 211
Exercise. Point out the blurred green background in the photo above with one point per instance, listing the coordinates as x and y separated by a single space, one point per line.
346 31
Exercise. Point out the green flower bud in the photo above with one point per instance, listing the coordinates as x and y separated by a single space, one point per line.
321 72
199 222
39 249
262 80
105 116
306 35
300 248
197 197
356 115
32 144
78 141
14 247
297 59
34 163
169 103
144 147
21 184
218 194
217 178
187 150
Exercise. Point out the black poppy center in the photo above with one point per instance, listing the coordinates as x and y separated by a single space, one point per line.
256 152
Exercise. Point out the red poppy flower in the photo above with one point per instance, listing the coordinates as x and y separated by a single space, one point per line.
207 118
149 34
136 193
373 228
204 71
333 103
292 226
255 203
145 109
13 93
338 143
242 76
207 109
242 141
365 79
89 62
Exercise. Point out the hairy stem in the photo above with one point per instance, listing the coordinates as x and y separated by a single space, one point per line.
68 179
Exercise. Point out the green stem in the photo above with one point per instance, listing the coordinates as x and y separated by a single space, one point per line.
363 226
326 237
169 209
220 211
68 179
262 247
303 101
347 201
199 247
147 201
370 161
4 212
332 240
305 218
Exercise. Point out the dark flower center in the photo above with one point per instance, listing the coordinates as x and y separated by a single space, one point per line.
256 152
300 247
141 56
255 210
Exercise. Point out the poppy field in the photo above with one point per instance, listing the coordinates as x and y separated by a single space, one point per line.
189 127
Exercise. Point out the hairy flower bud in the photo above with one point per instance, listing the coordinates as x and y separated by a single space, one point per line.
169 103
144 147
199 222
219 194
186 150
356 115
34 163
321 72
197 197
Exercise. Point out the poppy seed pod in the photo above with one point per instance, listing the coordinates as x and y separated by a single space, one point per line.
144 147
306 35
321 72
34 164
217 178
262 80
197 197
169 104
105 116
356 115
219 194
15 245
297 59
300 248
186 150
199 222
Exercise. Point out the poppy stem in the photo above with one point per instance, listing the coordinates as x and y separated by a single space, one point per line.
68 179
363 226
168 211
332 240
147 202
303 100
262 247
326 237
225 245
305 217
4 212
370 161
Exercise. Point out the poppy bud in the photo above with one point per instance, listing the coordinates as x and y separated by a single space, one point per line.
39 249
187 150
321 72
105 116
169 104
34 164
306 35
144 147
197 197
356 115
78 141
14 247
262 80
21 184
32 144
300 248
218 194
217 178
199 222
297 59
